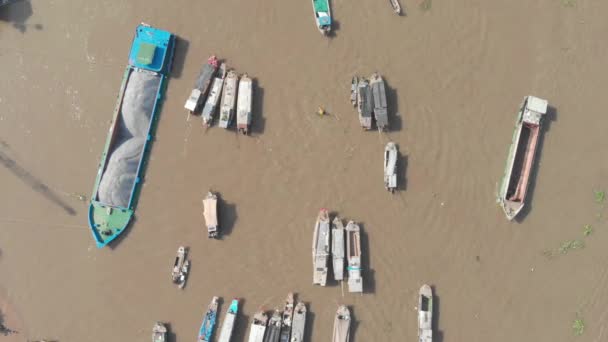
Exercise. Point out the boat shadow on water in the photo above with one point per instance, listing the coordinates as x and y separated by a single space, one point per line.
401 171
544 128
369 281
437 334
240 324
354 324
310 323
227 216
258 122
181 50
395 118
335 27
171 337
17 13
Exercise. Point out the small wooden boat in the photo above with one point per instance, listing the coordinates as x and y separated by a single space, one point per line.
273 332
228 325
228 99
365 103
127 147
159 332
320 248
180 267
258 327
390 166
353 253
425 314
380 107
354 85
208 325
396 6
299 323
214 96
322 13
337 248
210 214
342 325
202 85
287 319
512 193
243 106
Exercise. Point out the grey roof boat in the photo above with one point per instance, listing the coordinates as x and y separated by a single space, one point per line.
214 96
353 253
299 323
287 318
380 107
337 248
365 103
228 99
273 332
390 166
159 332
210 214
258 327
320 248
512 192
342 325
425 314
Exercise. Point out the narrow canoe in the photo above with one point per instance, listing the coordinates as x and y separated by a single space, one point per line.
121 168
299 323
512 193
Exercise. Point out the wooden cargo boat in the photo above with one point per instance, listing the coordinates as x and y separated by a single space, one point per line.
210 214
380 107
425 314
287 319
390 166
341 325
273 332
202 85
353 253
228 325
159 332
512 193
337 248
365 103
121 168
258 327
320 248
322 13
228 99
208 326
299 323
243 106
214 96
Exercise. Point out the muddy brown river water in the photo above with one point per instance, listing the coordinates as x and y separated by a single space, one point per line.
456 73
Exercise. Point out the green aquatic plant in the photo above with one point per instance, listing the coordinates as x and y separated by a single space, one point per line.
568 3
600 196
578 327
567 246
425 5
587 230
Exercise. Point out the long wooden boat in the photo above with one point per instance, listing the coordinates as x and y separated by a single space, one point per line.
210 214
354 85
208 326
365 103
228 99
159 332
287 318
258 327
390 166
337 248
425 314
512 193
273 332
396 6
214 96
320 248
299 323
353 253
243 106
341 325
228 325
121 168
322 13
202 85
376 82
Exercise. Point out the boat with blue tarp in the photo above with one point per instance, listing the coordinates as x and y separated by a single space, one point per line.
208 325
126 150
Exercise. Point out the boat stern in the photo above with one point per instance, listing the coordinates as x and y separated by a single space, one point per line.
152 49
107 222
511 208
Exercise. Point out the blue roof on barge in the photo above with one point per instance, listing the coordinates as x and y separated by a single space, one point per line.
149 49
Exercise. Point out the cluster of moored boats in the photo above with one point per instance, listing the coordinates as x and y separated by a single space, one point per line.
216 85
326 245
369 96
